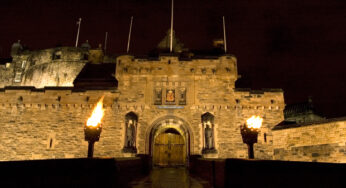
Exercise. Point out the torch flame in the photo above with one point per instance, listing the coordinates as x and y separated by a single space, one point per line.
254 122
97 114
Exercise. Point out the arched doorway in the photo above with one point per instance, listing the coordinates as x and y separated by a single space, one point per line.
169 141
169 149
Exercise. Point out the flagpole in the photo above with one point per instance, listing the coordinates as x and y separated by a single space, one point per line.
106 41
79 22
171 40
128 40
224 34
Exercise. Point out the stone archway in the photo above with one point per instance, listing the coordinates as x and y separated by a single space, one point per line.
169 141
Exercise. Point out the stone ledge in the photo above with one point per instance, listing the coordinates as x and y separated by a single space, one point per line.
290 125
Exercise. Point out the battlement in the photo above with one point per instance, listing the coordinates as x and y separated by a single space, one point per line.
48 67
56 96
259 99
173 65
51 55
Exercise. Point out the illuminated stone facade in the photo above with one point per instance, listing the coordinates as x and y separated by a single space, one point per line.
198 86
54 67
50 67
153 95
323 141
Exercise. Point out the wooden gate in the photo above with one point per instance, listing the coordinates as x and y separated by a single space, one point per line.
169 150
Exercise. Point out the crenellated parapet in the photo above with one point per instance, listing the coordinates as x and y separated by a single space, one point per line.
174 66
28 97
53 67
188 81
271 99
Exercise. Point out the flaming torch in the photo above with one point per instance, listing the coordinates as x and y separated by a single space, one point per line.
249 132
93 127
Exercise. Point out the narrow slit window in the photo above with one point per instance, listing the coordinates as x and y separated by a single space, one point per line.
23 64
265 137
18 77
50 143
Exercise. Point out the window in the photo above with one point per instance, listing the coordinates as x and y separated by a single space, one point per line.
20 99
23 64
204 70
57 55
50 143
18 77
265 137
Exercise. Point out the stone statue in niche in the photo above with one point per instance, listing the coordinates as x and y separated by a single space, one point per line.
208 130
208 137
131 120
130 134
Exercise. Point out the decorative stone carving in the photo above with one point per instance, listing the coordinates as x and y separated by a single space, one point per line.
208 137
129 134
158 96
182 97
208 132
170 96
131 120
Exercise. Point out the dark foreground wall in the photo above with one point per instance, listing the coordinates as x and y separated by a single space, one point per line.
263 173
72 172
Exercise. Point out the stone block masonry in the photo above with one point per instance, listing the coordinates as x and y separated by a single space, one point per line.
160 94
48 124
49 67
319 142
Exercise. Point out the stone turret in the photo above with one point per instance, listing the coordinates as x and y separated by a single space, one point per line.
16 48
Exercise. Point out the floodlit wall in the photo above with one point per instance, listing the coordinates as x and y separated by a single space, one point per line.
267 104
49 67
48 124
209 87
6 74
319 142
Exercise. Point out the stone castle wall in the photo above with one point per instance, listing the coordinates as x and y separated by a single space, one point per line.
42 68
205 84
6 75
267 104
46 124
209 86
320 142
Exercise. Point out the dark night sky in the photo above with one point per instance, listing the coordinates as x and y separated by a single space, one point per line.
297 45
